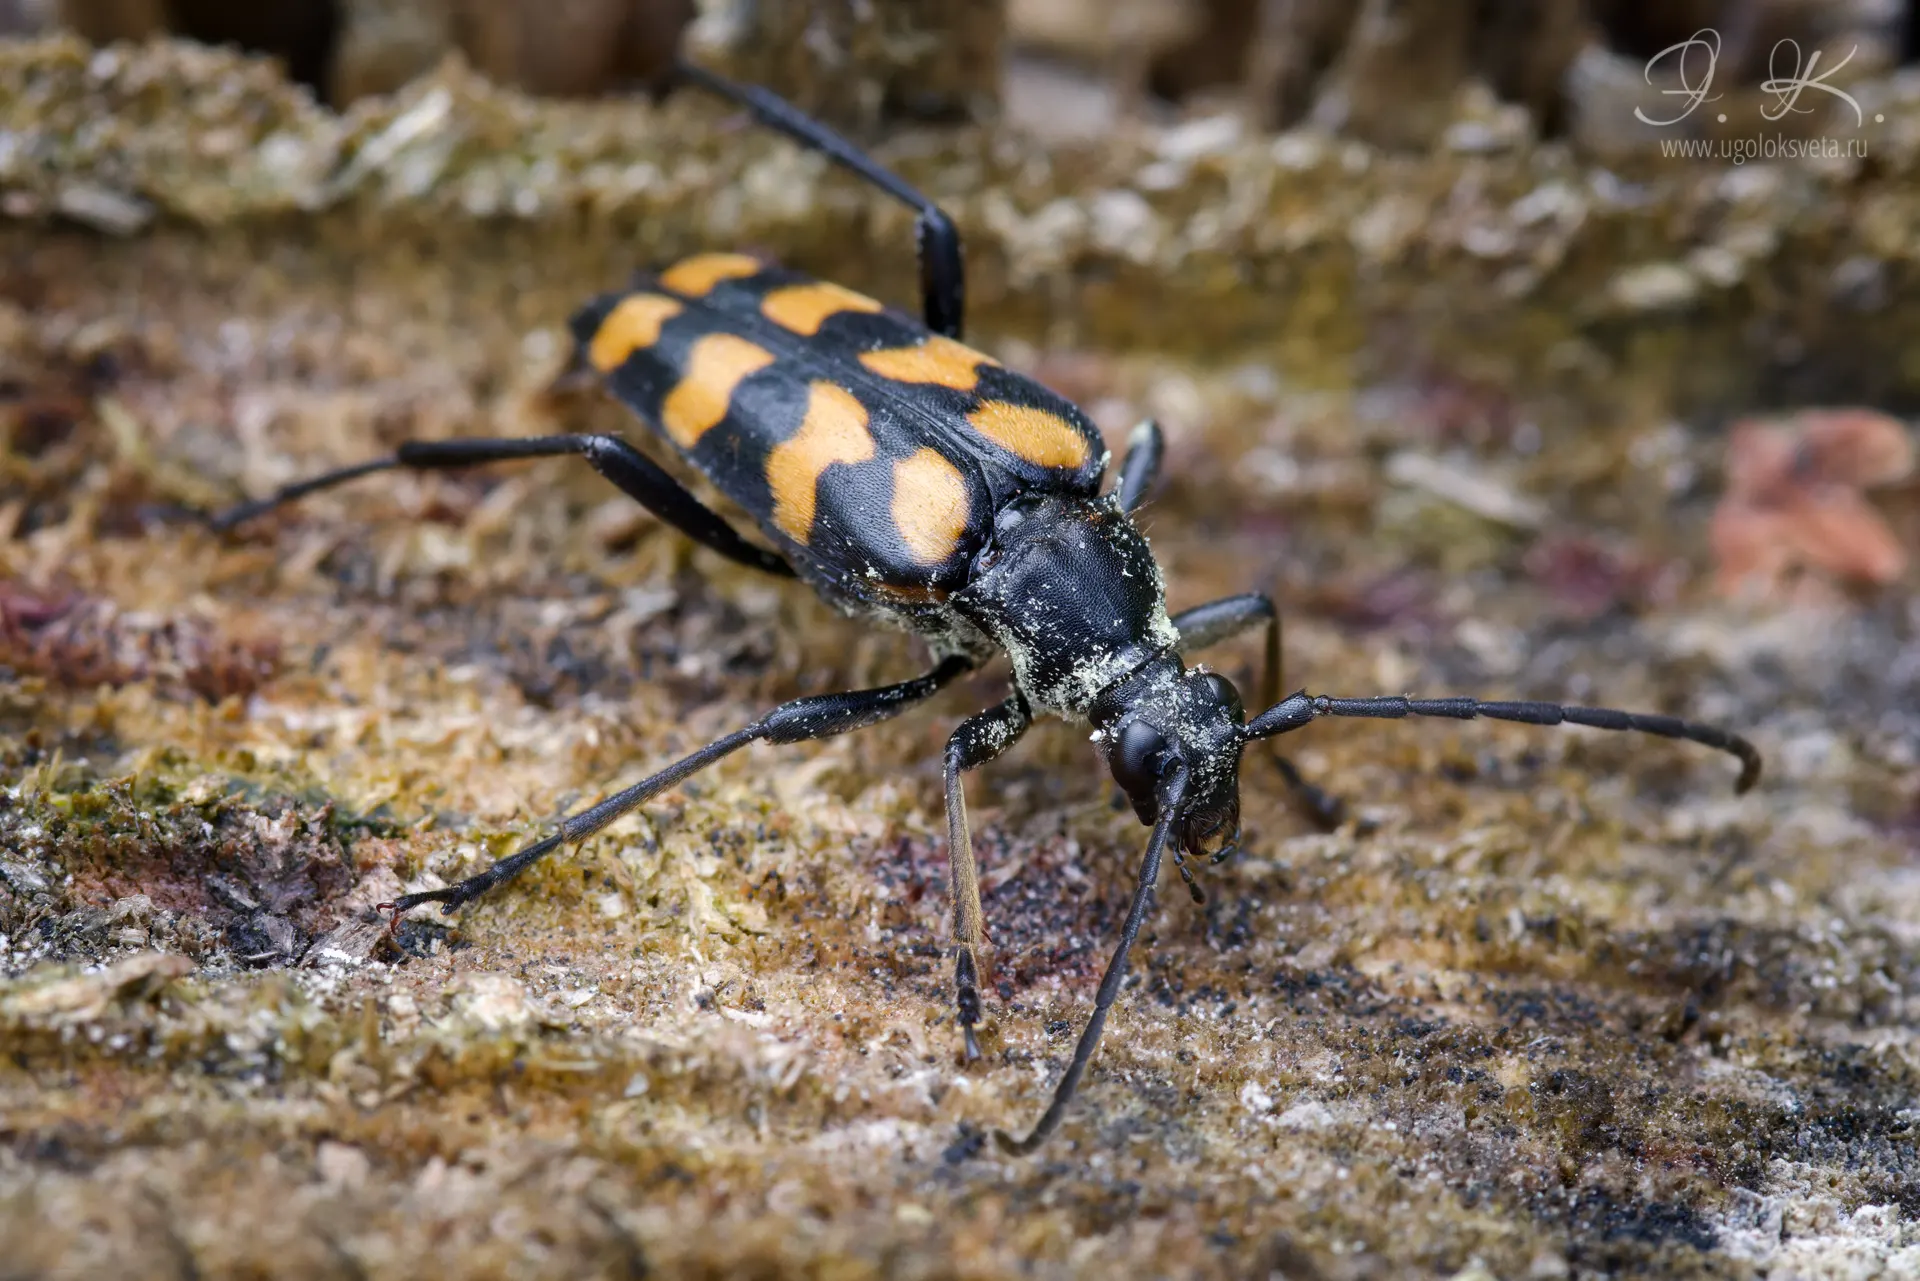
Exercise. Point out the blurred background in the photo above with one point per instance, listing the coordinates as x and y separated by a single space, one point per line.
1389 71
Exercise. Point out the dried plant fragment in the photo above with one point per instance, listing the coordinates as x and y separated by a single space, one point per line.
1795 501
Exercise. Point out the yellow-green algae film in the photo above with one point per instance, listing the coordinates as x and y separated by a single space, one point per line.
1556 1003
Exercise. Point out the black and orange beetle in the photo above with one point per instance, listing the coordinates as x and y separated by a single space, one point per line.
911 480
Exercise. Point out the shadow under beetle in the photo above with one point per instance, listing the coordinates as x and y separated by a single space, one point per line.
911 480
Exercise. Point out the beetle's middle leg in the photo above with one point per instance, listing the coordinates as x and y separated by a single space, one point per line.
978 740
1231 616
636 475
816 716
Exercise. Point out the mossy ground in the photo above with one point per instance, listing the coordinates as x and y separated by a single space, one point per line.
1567 1006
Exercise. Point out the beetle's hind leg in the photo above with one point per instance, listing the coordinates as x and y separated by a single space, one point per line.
1231 616
942 282
977 740
816 716
636 475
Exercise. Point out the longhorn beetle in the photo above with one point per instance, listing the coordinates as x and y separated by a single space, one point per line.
913 481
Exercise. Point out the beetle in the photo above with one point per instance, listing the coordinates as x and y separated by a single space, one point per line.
915 482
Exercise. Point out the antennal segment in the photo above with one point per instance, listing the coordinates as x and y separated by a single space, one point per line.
1171 816
1301 708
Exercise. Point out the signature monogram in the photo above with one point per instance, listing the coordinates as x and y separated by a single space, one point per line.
1703 46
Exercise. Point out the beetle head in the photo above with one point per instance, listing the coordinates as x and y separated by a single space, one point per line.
1165 717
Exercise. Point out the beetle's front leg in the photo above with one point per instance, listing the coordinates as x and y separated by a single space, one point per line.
977 740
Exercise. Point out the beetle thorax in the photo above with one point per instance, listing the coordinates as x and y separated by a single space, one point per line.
1070 590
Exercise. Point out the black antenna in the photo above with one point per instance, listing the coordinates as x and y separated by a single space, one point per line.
1301 708
1171 815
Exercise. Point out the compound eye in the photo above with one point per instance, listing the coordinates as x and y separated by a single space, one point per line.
1136 761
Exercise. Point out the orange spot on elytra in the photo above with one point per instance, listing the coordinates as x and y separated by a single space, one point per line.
717 364
930 507
833 431
696 276
634 323
1042 438
804 308
939 360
